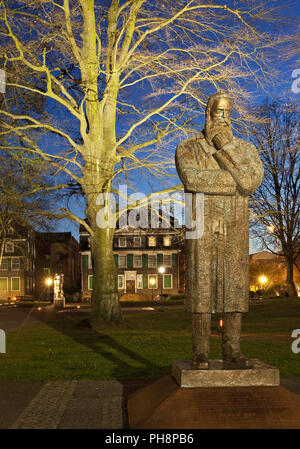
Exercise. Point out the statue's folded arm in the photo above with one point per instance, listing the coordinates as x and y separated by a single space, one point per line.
213 182
242 161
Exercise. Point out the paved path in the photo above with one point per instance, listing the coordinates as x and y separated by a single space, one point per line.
62 405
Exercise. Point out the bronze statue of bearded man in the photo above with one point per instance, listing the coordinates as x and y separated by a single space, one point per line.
226 169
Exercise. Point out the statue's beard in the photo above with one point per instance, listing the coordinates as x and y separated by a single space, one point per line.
212 128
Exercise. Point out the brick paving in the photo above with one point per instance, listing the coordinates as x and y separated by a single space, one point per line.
72 405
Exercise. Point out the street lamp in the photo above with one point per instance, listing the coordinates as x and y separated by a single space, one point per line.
49 282
161 270
263 280
152 282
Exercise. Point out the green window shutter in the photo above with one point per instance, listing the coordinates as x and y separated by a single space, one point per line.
129 260
91 282
167 281
174 260
85 261
145 281
144 261
9 263
160 260
116 260
15 283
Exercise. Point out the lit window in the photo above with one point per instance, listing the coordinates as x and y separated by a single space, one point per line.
137 261
152 241
167 240
152 260
122 261
139 280
15 284
137 241
152 281
120 281
3 284
122 242
168 281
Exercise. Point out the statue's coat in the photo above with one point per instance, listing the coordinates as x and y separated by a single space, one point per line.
217 265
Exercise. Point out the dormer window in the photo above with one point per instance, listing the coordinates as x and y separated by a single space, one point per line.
122 242
137 242
167 240
152 241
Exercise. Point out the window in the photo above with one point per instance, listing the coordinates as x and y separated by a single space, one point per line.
139 281
90 282
15 284
151 241
167 240
137 241
3 284
167 260
47 256
15 264
120 281
9 247
137 261
4 264
152 281
46 270
152 260
122 242
122 261
168 281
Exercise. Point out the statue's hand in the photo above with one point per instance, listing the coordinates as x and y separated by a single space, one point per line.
221 139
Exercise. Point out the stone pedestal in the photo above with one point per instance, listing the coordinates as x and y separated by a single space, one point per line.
59 303
225 374
165 405
226 396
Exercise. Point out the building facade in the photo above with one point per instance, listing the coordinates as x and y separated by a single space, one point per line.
268 270
17 264
149 262
56 252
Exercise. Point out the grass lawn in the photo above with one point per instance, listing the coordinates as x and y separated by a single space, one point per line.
144 347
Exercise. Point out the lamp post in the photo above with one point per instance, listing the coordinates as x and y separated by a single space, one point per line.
161 270
152 282
49 282
263 280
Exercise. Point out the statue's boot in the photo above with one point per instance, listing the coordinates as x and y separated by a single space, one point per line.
200 339
231 335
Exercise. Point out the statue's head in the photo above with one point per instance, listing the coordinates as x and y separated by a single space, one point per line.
217 116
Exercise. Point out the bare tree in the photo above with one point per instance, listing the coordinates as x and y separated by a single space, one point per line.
276 204
120 79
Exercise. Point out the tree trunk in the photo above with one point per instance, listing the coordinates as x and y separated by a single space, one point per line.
290 278
105 297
